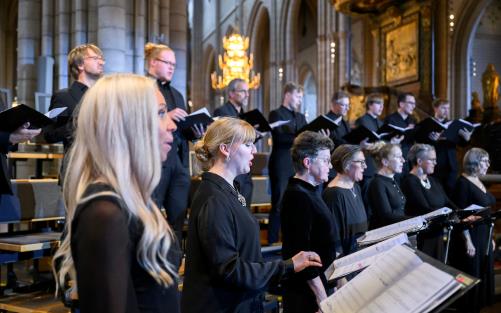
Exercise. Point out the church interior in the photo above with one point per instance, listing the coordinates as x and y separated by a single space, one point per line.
431 50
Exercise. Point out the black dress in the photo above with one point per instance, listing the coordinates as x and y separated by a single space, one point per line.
280 167
104 248
481 265
225 271
386 202
421 201
349 215
307 225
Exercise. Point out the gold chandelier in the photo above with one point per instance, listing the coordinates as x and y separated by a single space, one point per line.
235 63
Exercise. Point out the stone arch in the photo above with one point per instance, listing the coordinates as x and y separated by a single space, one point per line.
259 34
468 20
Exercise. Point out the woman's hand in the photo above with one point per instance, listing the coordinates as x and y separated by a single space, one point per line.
305 259
470 248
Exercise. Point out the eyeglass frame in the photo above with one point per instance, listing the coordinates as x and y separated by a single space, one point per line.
169 63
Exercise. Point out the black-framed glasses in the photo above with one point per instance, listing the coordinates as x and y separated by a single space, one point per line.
361 162
167 62
243 91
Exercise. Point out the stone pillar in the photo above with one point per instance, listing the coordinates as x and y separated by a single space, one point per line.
78 23
153 20
178 43
129 36
198 80
164 21
342 50
139 36
28 39
92 21
276 84
47 28
441 38
111 34
61 43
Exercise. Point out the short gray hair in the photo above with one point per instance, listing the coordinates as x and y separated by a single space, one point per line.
418 151
308 144
471 160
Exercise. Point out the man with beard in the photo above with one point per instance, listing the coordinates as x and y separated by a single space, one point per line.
238 97
280 165
86 65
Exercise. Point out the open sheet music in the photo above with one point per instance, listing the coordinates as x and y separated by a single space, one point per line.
379 234
437 213
362 258
397 282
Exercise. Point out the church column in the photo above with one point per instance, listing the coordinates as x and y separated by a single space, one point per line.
78 25
61 46
47 28
139 35
28 38
441 45
327 48
198 80
342 50
153 20
164 22
111 34
92 21
178 43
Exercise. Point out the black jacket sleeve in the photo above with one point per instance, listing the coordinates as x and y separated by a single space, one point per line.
62 129
101 249
218 239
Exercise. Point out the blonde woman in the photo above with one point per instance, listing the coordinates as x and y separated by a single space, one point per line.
118 246
225 271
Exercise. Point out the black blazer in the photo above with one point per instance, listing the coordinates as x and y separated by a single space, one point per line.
227 109
225 271
62 129
280 163
369 122
174 99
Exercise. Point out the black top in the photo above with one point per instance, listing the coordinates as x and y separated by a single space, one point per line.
225 271
387 202
62 129
104 248
349 215
467 193
280 158
228 109
343 129
397 120
174 100
307 225
421 200
369 122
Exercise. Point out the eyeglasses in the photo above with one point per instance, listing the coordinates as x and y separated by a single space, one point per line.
432 160
486 161
95 58
362 162
169 63
324 160
242 91
410 102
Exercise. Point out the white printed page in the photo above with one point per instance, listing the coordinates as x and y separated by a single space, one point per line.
279 123
382 233
362 258
372 282
438 212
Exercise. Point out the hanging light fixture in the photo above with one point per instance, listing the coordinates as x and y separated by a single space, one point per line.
235 63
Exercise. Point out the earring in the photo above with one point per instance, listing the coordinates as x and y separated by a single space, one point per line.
228 158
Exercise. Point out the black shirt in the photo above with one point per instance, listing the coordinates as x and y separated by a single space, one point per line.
421 200
387 202
397 120
349 215
340 131
104 247
369 122
225 271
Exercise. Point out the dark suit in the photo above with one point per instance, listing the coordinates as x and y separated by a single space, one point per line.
243 181
406 144
173 189
280 166
62 129
371 123
338 134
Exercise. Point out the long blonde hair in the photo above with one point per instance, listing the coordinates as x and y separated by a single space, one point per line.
117 143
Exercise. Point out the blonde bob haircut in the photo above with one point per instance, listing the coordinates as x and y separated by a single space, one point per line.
226 130
117 143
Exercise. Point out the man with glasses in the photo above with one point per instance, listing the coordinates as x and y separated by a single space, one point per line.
403 118
86 65
172 191
340 104
238 97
